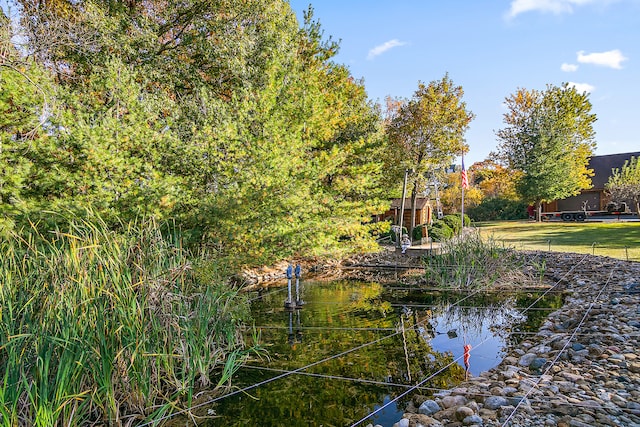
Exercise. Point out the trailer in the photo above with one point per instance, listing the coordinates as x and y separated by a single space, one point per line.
613 209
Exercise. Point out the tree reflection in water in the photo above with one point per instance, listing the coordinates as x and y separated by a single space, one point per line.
341 316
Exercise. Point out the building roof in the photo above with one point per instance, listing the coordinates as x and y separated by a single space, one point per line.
421 202
602 166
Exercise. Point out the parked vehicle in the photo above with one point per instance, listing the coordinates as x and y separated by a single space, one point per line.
581 215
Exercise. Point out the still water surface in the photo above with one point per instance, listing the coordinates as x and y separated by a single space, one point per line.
359 345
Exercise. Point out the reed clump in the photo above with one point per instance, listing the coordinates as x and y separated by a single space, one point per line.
100 327
471 261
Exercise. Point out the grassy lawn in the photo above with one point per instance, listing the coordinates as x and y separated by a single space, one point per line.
615 239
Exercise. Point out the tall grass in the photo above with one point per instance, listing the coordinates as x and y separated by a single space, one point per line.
471 261
111 328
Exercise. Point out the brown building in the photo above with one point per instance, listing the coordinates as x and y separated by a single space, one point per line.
595 198
423 212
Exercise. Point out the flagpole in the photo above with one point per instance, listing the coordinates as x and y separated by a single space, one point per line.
462 186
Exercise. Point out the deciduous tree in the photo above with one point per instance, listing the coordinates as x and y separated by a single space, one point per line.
426 132
624 183
548 140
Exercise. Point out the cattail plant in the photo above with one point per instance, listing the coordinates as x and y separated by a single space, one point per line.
471 261
109 327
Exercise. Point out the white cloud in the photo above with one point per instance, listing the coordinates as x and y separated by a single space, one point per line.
380 49
612 58
550 6
582 87
569 68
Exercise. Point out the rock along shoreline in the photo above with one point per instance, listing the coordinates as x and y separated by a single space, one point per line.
582 368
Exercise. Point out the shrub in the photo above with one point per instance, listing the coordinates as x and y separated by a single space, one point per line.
417 232
439 231
497 208
453 221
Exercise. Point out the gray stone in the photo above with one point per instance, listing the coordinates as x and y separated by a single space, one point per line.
506 410
424 421
619 400
463 412
617 337
429 407
451 401
495 402
617 357
527 359
402 423
578 423
473 420
517 400
537 363
509 391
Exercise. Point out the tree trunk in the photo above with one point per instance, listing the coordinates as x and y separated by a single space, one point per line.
538 211
414 196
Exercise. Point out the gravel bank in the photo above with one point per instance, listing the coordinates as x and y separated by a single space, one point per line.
581 369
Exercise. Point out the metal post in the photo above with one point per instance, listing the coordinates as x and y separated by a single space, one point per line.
404 196
288 302
291 336
462 198
298 272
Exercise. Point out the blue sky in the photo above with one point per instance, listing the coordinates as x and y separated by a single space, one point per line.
491 48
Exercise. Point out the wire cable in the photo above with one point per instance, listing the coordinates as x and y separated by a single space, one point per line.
286 374
555 360
298 370
475 346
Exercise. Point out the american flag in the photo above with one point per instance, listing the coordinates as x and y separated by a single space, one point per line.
465 180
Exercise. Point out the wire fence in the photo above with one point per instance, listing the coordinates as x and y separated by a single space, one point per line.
595 249
625 253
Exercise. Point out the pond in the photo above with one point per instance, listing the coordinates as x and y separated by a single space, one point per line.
356 346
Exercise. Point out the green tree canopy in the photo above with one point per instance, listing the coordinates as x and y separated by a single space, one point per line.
25 101
548 140
230 117
624 183
426 132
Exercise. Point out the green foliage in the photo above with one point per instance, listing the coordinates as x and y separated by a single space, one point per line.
439 231
225 116
417 232
498 208
455 222
471 261
624 183
97 324
25 96
444 229
548 141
